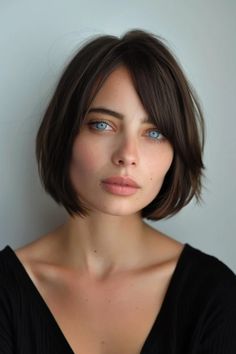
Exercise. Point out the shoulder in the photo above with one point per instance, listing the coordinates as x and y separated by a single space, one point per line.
8 289
5 265
9 271
204 284
209 267
210 282
212 289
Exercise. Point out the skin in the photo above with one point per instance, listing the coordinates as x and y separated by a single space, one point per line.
104 276
113 237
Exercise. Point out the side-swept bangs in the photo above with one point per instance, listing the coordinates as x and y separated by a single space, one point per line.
167 97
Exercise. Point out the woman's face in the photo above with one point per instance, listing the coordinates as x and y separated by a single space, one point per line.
114 140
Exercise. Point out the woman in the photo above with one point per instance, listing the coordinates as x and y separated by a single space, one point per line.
121 141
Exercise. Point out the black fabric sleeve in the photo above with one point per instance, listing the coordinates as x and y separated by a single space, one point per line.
6 326
219 326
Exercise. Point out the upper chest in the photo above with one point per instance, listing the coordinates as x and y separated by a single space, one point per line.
103 318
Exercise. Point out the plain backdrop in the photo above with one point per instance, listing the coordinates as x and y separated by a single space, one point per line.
36 40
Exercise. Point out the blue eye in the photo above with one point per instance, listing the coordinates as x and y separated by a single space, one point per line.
155 134
99 125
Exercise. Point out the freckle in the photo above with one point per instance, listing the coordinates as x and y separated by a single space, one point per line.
95 251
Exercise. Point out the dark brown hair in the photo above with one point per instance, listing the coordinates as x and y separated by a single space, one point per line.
167 97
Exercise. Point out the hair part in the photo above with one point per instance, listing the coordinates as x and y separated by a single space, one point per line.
167 97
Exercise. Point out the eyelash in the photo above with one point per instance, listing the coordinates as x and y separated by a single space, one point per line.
92 123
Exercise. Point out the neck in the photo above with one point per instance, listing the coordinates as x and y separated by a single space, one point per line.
103 244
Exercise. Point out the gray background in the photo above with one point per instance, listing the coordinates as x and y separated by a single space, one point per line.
36 40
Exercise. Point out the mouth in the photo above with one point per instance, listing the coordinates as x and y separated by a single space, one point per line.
121 181
119 189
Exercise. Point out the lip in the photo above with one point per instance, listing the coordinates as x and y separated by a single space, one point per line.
121 181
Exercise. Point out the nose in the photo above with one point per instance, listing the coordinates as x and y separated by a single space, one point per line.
126 153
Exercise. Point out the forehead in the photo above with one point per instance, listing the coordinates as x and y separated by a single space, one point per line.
118 94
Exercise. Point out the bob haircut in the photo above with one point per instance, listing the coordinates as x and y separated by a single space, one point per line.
167 97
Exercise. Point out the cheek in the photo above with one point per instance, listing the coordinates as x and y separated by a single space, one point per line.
159 166
168 162
84 159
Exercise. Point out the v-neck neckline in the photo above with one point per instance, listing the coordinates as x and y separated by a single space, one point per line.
61 335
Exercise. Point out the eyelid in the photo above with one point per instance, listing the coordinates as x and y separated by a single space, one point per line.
93 121
97 120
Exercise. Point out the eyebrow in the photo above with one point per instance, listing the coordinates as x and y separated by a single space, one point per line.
115 114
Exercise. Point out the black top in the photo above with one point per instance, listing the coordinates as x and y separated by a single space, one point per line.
197 316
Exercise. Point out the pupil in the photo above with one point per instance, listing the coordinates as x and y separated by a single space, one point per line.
102 125
154 134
